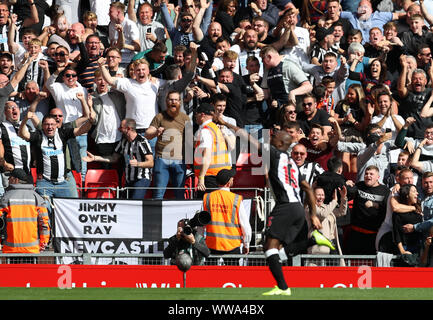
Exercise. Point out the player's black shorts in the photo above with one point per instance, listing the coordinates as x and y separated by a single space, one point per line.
286 222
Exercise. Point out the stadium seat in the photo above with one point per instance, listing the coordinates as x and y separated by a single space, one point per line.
246 178
34 175
101 183
246 159
79 181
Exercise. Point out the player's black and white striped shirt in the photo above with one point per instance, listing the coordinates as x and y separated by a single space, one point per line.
137 148
50 153
284 177
16 149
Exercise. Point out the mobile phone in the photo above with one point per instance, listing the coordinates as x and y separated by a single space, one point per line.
149 30
387 130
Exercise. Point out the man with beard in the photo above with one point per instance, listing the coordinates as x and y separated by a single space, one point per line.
413 98
369 208
310 115
248 48
150 30
169 127
261 26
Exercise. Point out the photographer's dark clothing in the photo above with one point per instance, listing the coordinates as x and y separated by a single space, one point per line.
198 251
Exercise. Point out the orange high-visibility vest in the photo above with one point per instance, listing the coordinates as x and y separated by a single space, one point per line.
220 155
27 222
224 232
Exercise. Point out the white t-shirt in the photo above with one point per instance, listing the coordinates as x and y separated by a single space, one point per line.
107 130
389 123
66 98
130 33
141 102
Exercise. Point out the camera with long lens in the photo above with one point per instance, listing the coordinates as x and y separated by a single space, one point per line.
200 219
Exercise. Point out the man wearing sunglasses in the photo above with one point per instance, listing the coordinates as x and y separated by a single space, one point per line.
184 34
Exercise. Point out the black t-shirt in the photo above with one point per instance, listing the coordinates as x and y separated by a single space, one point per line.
252 111
321 117
411 106
234 103
276 84
369 205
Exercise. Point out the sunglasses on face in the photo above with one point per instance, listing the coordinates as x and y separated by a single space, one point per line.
308 104
60 54
186 20
70 75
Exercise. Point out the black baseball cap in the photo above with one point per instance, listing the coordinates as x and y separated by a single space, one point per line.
6 54
205 108
224 175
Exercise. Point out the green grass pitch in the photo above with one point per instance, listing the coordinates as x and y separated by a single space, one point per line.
190 294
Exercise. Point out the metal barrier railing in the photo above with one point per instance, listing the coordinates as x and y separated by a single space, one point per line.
252 259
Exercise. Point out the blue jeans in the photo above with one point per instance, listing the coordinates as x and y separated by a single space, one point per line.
82 142
255 130
165 170
60 190
140 192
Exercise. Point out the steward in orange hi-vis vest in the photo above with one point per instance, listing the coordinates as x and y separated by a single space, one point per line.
224 232
27 222
220 158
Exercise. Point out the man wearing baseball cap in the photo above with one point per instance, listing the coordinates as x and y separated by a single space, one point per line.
210 150
229 227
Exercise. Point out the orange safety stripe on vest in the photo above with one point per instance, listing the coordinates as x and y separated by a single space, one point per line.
224 232
220 155
27 226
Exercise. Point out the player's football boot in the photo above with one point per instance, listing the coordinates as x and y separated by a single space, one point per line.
321 240
278 292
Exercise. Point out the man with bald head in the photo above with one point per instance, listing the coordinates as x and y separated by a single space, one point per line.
74 38
14 151
7 87
286 225
208 42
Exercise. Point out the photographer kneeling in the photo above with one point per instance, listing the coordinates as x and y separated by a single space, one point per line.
185 241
